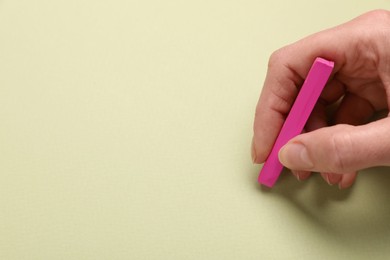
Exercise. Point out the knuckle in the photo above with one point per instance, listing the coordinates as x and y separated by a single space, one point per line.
379 14
276 58
378 17
340 149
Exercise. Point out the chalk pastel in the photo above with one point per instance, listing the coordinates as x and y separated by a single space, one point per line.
297 117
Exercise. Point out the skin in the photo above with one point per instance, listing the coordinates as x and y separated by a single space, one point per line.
339 143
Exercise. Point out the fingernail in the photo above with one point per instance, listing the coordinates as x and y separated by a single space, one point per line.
296 175
334 178
253 152
295 156
327 179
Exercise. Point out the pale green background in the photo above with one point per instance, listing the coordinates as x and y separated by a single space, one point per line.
125 134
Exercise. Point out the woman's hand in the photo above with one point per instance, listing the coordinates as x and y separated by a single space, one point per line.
338 145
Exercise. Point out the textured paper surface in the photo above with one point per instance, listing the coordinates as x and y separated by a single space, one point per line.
126 127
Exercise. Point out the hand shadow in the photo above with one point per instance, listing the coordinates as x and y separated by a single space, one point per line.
361 212
288 186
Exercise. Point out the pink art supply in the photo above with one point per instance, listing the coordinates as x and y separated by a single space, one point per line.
304 103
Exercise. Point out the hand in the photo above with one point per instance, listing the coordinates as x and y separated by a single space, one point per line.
339 144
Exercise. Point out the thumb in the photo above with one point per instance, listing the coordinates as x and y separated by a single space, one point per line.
339 149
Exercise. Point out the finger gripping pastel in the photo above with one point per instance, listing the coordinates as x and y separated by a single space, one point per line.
300 111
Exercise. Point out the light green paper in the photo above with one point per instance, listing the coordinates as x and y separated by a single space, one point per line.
126 127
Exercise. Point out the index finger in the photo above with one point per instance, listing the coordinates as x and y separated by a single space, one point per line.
287 69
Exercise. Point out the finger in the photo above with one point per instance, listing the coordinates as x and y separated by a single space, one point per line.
301 175
286 70
332 178
317 118
273 106
354 110
347 180
332 92
339 149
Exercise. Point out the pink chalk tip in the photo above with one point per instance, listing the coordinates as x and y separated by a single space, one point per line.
304 103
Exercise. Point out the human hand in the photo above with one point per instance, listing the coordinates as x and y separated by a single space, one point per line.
338 144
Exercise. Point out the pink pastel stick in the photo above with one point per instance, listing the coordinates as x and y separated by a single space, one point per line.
304 103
